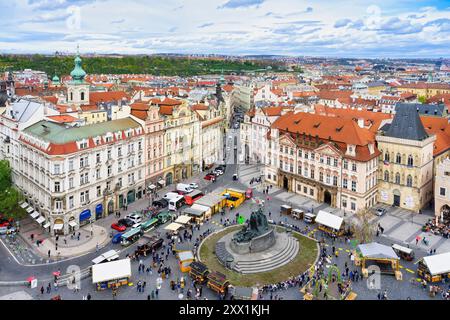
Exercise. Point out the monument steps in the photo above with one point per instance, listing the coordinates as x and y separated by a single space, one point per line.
267 264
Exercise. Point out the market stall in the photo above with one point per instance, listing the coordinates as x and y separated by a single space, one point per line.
198 212
218 282
234 197
435 268
111 274
183 219
173 227
185 258
330 223
214 202
381 255
199 272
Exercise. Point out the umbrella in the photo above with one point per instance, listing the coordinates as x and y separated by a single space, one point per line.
29 279
57 273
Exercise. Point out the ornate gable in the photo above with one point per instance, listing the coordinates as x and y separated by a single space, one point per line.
328 149
286 140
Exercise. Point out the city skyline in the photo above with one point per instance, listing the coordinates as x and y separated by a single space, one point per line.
401 29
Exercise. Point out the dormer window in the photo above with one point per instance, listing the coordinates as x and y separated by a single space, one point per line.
83 145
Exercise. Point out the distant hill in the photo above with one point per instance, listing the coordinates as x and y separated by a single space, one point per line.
156 65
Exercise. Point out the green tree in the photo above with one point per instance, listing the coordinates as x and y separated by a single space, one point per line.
363 229
5 175
9 196
422 99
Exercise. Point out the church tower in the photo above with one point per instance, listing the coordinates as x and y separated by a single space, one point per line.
78 89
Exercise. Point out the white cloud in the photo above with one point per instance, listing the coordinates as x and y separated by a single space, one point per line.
227 26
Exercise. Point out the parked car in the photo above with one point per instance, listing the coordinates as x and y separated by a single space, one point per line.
218 171
136 218
209 176
119 227
116 238
380 211
193 185
161 203
136 225
127 222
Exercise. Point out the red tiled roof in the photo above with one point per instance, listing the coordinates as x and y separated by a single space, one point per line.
51 99
166 110
170 102
425 85
334 95
325 127
199 106
97 97
272 111
62 118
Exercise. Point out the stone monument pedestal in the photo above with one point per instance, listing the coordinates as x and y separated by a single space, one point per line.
257 244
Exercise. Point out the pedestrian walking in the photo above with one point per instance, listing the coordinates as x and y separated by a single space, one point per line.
49 253
88 296
42 289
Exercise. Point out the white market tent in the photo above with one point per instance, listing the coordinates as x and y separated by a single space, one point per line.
58 226
23 205
73 223
184 219
34 215
173 226
185 255
40 220
46 225
329 220
375 250
108 256
29 209
113 270
438 264
402 248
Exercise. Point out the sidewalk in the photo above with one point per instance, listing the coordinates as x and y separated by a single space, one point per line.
73 247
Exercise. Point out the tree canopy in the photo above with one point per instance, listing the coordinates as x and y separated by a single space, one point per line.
156 65
9 196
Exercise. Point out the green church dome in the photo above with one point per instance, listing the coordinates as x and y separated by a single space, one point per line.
78 73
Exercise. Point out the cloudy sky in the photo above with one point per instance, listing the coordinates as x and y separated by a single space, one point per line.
349 28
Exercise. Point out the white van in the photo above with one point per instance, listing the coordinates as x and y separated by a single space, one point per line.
170 195
184 188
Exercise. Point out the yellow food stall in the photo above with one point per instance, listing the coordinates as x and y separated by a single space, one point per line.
214 202
435 268
330 223
185 258
234 197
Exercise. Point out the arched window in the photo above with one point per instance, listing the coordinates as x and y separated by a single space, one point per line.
397 178
410 161
409 181
82 96
71 96
398 159
386 176
386 156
